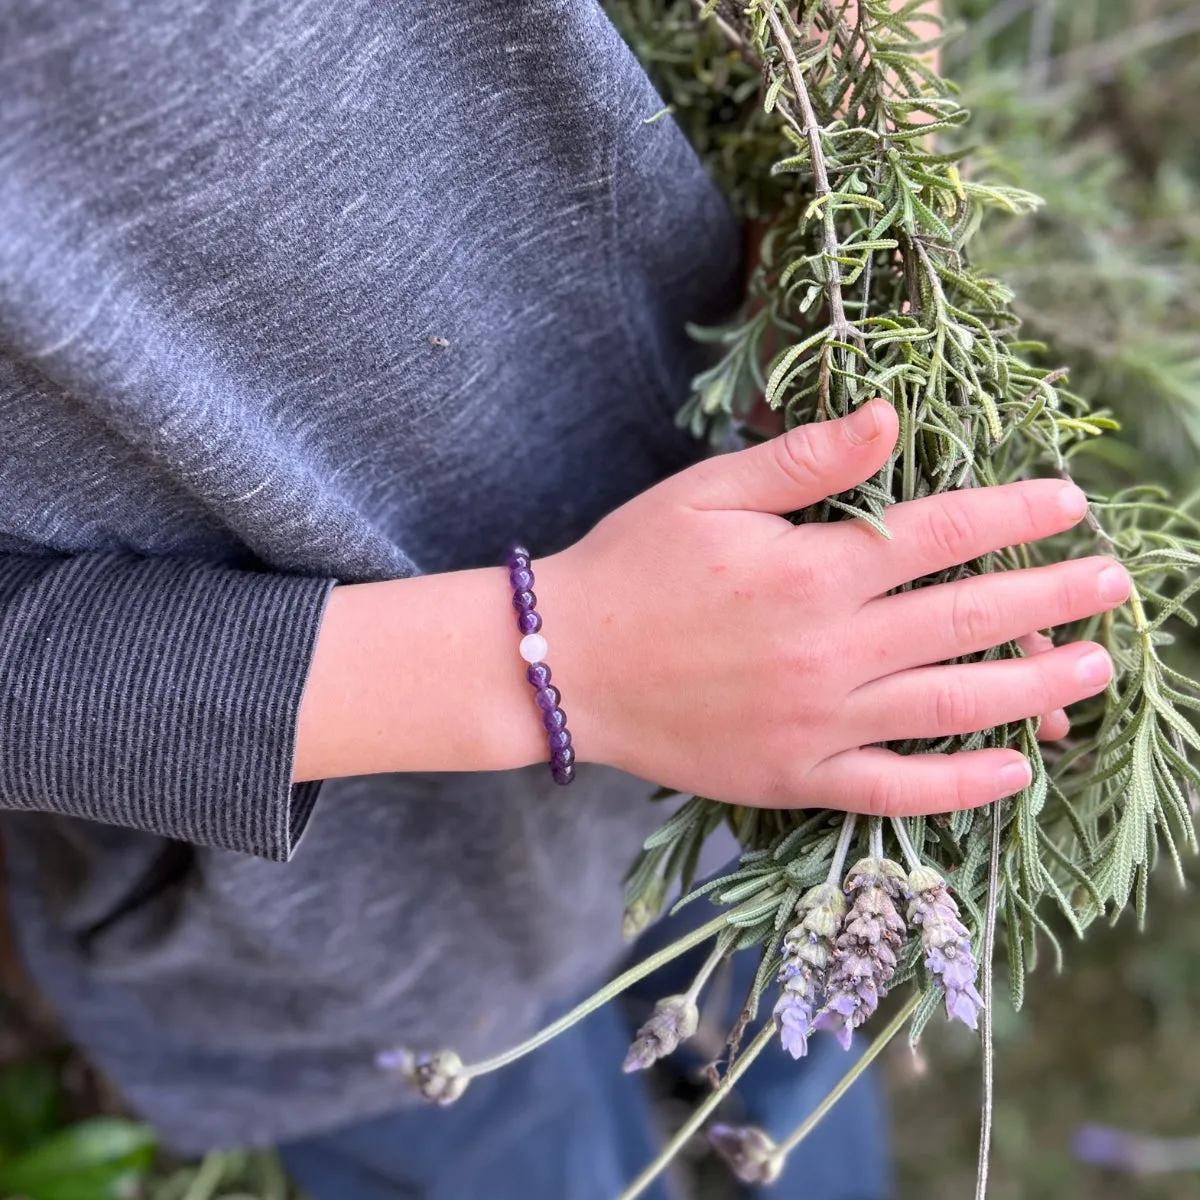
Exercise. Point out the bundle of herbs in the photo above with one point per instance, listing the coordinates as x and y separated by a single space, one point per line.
833 134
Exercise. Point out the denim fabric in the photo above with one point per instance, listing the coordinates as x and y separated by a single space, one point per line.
562 1124
565 1123
295 292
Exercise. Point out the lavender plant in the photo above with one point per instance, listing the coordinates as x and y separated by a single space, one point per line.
828 127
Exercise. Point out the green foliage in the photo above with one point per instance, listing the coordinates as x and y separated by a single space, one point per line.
832 133
868 282
236 1175
106 1158
30 1107
1108 271
42 1157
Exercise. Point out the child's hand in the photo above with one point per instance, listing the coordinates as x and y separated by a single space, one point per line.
707 644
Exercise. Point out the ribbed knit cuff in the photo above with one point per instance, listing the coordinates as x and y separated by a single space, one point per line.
160 694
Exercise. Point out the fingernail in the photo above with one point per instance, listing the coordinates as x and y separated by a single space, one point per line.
1094 669
862 425
1016 775
1113 583
1072 501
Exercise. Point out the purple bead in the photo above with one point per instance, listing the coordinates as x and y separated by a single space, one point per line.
562 775
524 601
521 579
558 739
529 622
554 719
518 557
547 698
538 674
562 758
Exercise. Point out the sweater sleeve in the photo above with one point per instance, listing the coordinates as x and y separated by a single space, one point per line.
160 694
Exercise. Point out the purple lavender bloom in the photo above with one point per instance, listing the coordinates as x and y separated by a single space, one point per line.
750 1154
1140 1153
1103 1146
807 952
794 1017
947 944
864 957
673 1020
837 1017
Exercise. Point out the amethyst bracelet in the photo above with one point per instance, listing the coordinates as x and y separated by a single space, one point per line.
533 651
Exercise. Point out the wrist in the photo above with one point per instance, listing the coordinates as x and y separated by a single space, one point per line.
574 653
418 674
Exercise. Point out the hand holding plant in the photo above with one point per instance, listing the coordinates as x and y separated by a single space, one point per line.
898 602
791 657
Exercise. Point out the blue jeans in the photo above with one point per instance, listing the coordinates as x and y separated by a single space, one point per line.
565 1123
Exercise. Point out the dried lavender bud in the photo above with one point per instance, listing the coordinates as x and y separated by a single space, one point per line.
807 953
673 1020
750 1154
865 953
946 943
437 1077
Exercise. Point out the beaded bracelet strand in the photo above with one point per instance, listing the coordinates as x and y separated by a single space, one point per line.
533 651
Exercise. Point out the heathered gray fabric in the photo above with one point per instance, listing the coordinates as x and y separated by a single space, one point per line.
228 231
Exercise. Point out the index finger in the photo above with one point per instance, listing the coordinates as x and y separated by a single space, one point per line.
943 531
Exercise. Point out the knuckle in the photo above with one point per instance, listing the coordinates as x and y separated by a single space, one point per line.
949 532
887 796
963 786
802 455
973 619
1043 692
955 707
789 785
810 658
1072 596
1032 513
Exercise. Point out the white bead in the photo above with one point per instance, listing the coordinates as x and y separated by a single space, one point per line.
534 648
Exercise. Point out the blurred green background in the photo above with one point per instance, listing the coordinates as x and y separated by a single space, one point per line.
1094 104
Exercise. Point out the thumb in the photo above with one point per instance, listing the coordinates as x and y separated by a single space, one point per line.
799 467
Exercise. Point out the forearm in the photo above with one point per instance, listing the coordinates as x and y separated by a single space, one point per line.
424 675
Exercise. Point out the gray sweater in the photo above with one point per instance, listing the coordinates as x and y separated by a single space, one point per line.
229 232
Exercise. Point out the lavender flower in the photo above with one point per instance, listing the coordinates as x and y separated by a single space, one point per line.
750 1154
437 1077
946 943
673 1020
864 959
808 951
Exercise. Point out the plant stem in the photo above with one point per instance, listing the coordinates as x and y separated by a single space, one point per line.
207 1178
710 965
668 1152
812 131
846 1082
849 821
906 847
989 1067
875 838
602 997
723 25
